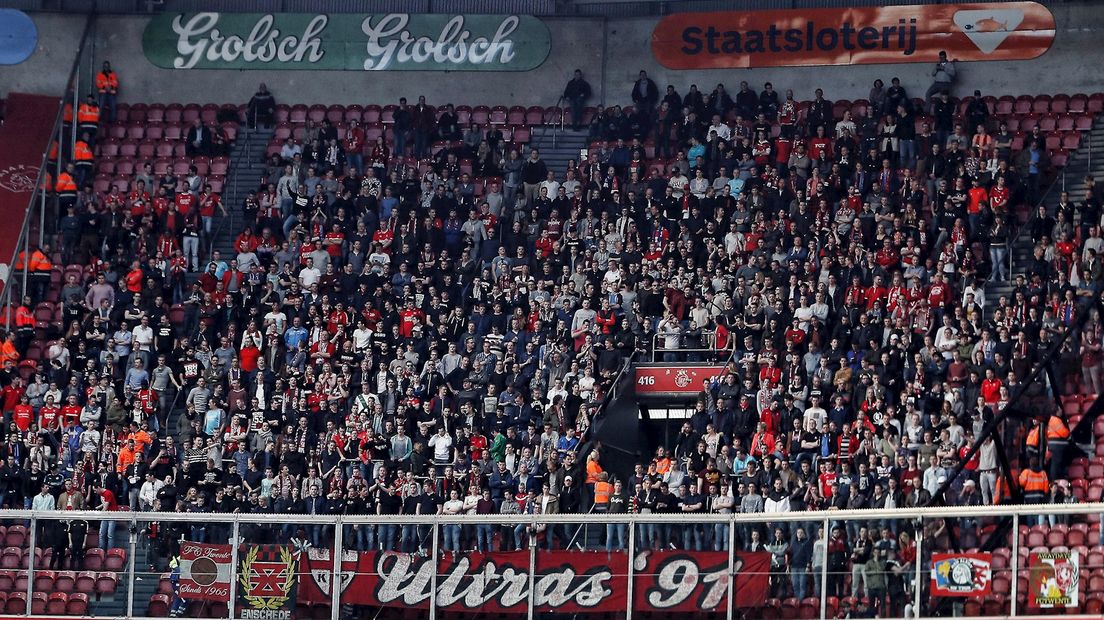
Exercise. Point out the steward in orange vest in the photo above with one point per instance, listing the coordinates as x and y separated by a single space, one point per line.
1034 483
107 83
24 325
83 158
66 187
88 115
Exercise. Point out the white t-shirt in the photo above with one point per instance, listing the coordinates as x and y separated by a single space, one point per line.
442 447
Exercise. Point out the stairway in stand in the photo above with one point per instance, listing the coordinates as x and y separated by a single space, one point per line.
1082 162
245 173
558 147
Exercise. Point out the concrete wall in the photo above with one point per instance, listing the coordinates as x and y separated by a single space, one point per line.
1071 65
48 67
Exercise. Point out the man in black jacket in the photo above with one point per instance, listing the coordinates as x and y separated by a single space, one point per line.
645 94
576 94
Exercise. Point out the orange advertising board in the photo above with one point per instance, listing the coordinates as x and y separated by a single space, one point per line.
853 36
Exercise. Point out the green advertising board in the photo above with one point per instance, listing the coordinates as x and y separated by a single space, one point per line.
346 42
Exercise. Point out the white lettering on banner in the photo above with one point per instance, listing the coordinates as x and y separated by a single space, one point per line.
505 585
389 42
199 39
678 578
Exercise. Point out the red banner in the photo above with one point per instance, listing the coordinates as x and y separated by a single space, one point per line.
25 135
655 380
565 581
204 572
853 36
961 574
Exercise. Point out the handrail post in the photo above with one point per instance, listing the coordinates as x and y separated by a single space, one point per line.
335 578
132 534
730 611
235 536
532 601
435 546
630 571
824 571
919 568
1015 562
33 544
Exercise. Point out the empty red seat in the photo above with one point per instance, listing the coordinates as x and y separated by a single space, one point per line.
316 113
106 582
155 113
38 603
498 115
57 603
16 603
190 113
65 581
115 559
44 580
159 606
11 557
94 559
298 113
77 605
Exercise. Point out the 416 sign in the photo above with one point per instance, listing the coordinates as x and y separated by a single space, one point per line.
656 380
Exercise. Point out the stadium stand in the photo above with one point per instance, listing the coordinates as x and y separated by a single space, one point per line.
408 310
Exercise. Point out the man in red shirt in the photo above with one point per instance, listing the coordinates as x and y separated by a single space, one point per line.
70 413
23 414
354 144
185 202
409 317
49 416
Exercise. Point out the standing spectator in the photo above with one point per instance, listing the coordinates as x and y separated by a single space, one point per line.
943 76
576 93
645 94
262 108
107 84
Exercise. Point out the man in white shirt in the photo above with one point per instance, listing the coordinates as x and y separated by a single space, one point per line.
441 443
309 275
141 340
722 130
551 184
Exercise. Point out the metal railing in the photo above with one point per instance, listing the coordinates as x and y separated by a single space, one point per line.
41 192
681 353
232 527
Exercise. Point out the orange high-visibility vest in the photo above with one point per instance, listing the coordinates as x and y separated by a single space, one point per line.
82 153
39 261
1034 481
67 113
65 183
88 113
24 317
8 352
602 493
1057 429
107 81
53 151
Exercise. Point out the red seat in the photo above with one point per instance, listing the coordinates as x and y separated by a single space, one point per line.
57 603
174 113
1041 105
190 113
44 580
159 606
106 582
11 557
38 603
86 582
209 113
78 604
116 559
65 581
498 115
16 603
316 113
1083 122
298 113
7 580
94 559
1070 142
155 113
353 112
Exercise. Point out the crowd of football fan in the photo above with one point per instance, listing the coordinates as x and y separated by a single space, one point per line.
388 342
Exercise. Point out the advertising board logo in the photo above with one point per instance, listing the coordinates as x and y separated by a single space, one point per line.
987 29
